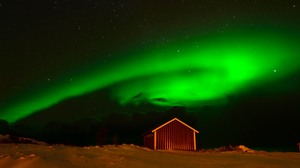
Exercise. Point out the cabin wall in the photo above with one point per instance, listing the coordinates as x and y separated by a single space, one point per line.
175 136
149 141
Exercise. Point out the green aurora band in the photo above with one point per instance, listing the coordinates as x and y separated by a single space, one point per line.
190 72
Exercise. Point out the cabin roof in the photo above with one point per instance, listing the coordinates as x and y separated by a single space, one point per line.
172 121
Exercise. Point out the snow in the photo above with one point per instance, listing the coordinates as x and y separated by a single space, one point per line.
123 156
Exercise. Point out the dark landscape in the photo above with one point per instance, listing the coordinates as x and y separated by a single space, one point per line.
87 84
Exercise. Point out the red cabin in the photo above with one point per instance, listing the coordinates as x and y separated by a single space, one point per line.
172 135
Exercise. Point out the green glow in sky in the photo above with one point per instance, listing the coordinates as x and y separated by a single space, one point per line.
190 72
193 74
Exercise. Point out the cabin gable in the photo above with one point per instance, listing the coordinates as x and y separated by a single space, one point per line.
172 135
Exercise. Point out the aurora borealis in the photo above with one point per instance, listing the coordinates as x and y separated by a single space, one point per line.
188 73
209 70
229 68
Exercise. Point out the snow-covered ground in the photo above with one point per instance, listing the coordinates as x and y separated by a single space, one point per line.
44 156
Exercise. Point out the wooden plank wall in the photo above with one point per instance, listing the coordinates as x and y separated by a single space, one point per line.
175 136
149 141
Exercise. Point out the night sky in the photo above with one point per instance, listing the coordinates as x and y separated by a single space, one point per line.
113 70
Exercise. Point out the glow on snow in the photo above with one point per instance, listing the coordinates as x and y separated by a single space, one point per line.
190 73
